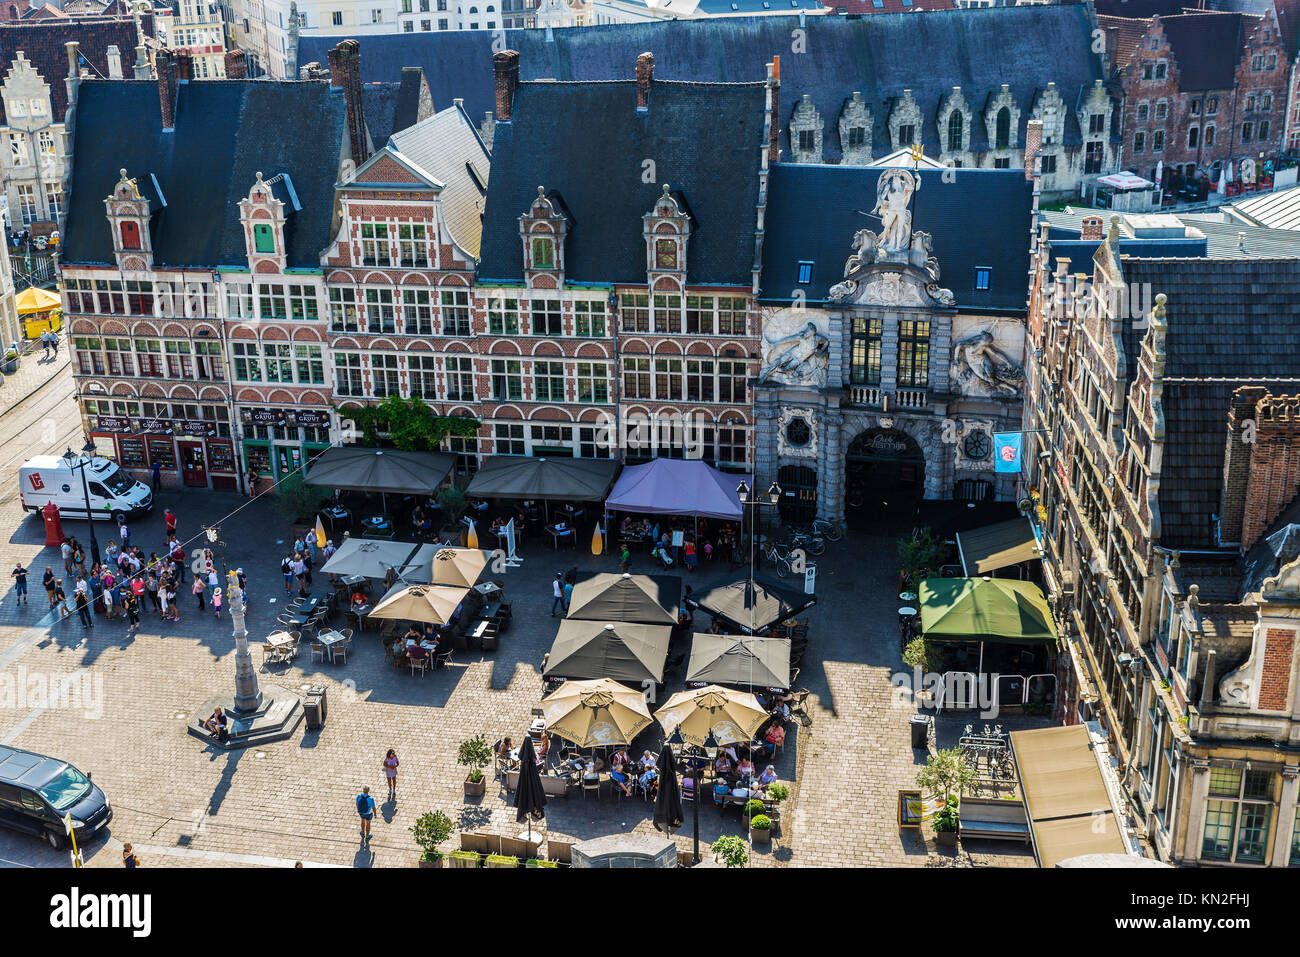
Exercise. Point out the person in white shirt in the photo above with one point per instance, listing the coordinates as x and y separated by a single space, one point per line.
648 760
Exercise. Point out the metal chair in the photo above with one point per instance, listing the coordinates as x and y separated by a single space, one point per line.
591 784
317 649
442 659
418 664
339 651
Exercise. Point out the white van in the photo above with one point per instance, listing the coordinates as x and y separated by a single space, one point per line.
113 493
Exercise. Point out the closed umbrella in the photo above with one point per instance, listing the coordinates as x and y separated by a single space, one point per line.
458 566
596 713
472 538
732 716
668 802
597 541
530 798
428 603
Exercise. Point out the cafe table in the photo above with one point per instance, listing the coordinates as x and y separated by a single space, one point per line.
557 533
488 590
280 645
330 639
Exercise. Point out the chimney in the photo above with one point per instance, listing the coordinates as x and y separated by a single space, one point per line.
236 65
184 66
774 91
312 71
1236 460
1208 683
1033 144
74 69
345 74
645 72
114 62
1091 229
1274 464
141 66
166 64
505 69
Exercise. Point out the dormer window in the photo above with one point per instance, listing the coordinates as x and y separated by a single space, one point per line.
804 273
131 235
665 254
983 274
17 108
543 254
263 238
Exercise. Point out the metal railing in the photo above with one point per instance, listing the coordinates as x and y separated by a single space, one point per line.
875 396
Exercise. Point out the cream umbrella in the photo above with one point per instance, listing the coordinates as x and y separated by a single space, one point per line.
458 566
596 713
429 603
732 716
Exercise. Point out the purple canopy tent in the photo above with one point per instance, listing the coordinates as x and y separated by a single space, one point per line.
678 487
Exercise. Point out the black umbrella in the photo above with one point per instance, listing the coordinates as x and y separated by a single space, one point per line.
668 802
530 798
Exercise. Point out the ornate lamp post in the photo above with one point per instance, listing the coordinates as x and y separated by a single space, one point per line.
247 696
773 500
697 777
80 463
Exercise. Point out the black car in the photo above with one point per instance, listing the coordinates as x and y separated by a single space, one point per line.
38 793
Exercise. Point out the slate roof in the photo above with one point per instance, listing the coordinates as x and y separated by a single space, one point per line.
981 219
880 56
226 131
445 145
42 42
888 6
1230 323
1221 238
391 107
1279 209
1207 47
586 143
1141 9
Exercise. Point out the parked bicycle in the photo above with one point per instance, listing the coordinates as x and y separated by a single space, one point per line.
812 544
825 528
779 555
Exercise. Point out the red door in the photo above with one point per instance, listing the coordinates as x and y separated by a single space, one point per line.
194 470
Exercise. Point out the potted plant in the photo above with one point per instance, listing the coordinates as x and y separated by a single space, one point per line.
919 558
500 860
463 859
452 502
760 829
431 829
776 793
475 754
730 850
754 807
10 364
946 773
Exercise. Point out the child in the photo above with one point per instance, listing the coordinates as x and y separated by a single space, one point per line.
216 602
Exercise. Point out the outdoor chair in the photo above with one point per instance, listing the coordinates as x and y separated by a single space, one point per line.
591 784
648 791
442 659
389 628
353 619
688 793
339 652
418 664
317 650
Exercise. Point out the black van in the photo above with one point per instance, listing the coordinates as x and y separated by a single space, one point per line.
37 793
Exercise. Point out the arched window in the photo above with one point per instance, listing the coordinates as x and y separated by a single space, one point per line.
263 238
130 235
1004 128
954 131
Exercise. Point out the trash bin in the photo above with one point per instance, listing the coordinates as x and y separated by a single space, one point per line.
318 691
920 731
313 711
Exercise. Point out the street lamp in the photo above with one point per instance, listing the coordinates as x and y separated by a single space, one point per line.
697 776
79 463
773 500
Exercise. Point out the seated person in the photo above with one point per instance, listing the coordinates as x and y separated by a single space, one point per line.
431 633
498 523
626 524
688 781
358 600
767 777
215 725
745 768
775 736
621 757
648 777
721 791
416 653
648 760
723 765
619 777
504 747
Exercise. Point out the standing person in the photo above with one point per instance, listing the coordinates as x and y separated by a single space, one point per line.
625 560
557 589
111 553
251 481
307 562
156 470
152 586
65 552
197 589
286 568
110 594
568 595
61 599
216 602
243 583
47 581
327 553
178 559
124 533
83 609
366 809
78 559
300 571
45 342
169 522
390 772
131 607
20 584
129 859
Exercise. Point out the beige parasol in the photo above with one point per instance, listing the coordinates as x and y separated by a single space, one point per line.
429 603
458 566
732 716
596 713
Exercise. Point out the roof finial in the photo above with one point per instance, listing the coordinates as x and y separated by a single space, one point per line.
541 192
665 189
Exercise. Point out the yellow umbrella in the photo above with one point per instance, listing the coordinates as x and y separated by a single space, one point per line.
472 538
458 566
596 713
732 716
429 603
33 299
597 541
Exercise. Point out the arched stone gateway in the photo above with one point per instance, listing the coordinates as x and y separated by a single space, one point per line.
884 478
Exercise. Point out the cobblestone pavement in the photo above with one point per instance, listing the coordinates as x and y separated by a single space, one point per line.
34 372
182 803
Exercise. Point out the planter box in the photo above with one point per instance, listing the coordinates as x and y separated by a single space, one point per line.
454 861
434 863
494 861
475 788
760 835
945 838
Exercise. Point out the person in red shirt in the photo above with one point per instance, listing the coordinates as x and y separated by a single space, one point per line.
169 520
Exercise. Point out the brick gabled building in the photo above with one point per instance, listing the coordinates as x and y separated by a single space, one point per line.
619 266
1165 468
1201 90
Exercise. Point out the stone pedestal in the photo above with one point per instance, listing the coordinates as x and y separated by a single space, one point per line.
278 713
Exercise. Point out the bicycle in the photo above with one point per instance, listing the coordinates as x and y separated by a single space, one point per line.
779 556
812 544
822 528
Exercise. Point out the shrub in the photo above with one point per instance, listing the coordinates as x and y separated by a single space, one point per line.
431 829
945 773
754 806
760 822
296 501
917 654
470 857
947 817
475 754
778 792
501 860
731 850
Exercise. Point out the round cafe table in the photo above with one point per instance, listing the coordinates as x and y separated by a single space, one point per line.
907 597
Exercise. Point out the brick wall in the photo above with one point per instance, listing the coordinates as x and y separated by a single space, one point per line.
42 42
1274 465
1275 681
1236 461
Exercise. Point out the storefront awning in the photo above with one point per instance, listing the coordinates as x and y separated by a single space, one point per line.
985 609
678 487
528 477
985 550
380 470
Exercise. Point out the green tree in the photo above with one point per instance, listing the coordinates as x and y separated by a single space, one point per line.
431 829
410 424
920 558
731 850
297 501
946 773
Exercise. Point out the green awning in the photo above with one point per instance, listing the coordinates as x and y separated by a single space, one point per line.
985 609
